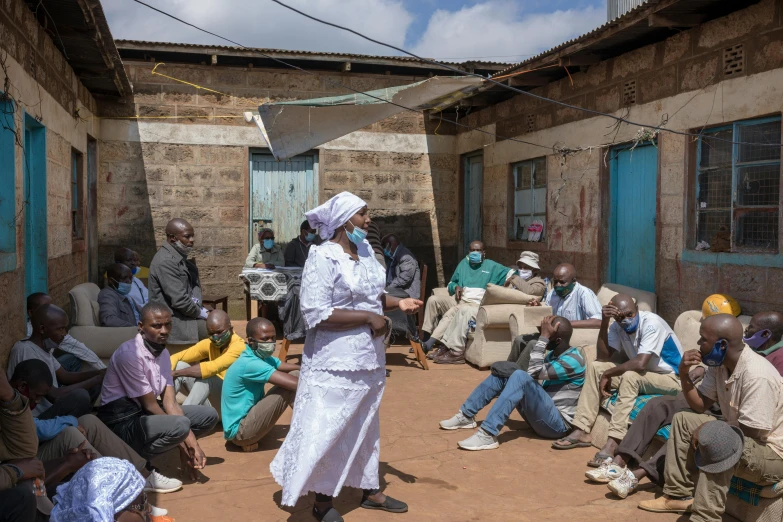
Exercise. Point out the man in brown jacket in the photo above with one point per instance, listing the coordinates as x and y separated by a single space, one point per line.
527 280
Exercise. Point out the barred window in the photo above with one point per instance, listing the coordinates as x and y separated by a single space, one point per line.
738 187
529 199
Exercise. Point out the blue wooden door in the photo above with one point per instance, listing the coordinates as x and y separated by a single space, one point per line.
632 241
280 194
35 233
474 165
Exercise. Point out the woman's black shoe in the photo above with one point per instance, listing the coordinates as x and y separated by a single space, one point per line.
391 505
330 515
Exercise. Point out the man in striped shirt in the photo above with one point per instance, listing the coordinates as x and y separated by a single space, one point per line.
545 394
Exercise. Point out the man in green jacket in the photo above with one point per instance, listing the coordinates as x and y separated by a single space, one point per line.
446 318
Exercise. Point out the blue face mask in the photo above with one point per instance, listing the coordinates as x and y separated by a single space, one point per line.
716 355
123 288
630 324
309 237
475 258
388 253
135 270
357 235
269 243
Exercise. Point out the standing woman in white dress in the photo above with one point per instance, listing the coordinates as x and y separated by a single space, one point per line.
334 440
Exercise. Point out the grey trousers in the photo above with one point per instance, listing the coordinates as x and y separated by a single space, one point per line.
200 392
164 432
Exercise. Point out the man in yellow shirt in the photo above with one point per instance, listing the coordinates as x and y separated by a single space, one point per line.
199 370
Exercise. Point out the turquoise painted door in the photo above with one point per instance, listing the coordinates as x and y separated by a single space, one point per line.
280 194
35 233
634 175
474 165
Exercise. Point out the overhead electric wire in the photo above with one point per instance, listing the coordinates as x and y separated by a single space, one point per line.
659 128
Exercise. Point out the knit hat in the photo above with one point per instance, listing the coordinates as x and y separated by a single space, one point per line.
720 447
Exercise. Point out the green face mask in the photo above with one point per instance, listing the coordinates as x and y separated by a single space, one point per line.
221 339
563 291
262 350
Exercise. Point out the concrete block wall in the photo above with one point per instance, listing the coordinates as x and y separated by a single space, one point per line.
44 86
188 153
681 78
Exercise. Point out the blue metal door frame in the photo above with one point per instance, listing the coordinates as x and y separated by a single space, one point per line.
35 231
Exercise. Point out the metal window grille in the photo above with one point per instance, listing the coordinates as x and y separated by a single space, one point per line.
530 195
733 60
738 186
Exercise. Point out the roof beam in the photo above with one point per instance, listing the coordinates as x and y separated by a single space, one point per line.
680 20
580 59
525 80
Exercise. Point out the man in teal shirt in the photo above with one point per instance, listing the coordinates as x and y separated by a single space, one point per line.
248 413
446 318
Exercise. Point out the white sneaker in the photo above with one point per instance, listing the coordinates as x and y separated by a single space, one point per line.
157 483
607 472
458 422
481 440
624 485
158 512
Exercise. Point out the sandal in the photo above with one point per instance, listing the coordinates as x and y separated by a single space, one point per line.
331 515
598 459
391 505
572 443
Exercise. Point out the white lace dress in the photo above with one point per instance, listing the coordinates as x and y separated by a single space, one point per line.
334 440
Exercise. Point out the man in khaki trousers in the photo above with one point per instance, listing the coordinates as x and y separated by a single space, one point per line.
653 355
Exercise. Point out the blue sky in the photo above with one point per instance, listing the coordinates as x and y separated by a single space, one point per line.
501 30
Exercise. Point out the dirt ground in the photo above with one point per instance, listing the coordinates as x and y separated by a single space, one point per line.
523 480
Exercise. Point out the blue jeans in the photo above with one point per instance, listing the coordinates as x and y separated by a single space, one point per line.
522 392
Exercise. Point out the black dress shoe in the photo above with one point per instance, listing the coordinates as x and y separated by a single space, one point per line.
330 515
391 505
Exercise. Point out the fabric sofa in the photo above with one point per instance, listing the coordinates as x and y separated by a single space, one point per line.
86 323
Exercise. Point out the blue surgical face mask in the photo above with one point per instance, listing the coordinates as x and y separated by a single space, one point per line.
475 258
310 237
388 253
269 243
123 288
357 235
135 270
717 354
630 324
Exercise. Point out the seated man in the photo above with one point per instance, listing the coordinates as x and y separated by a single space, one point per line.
57 437
249 413
446 318
18 446
653 355
138 294
403 279
545 395
199 371
765 328
265 253
749 392
78 390
76 353
117 309
568 299
174 282
299 247
140 372
527 280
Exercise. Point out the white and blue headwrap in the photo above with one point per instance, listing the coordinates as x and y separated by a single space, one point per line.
102 488
334 213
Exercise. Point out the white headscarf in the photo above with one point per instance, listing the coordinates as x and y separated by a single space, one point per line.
101 488
334 213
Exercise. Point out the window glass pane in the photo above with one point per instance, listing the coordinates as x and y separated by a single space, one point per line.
714 189
758 185
760 133
539 167
714 152
539 200
521 223
524 174
757 230
709 224
542 219
523 203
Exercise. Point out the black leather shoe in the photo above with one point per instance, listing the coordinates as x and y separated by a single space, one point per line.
391 505
331 515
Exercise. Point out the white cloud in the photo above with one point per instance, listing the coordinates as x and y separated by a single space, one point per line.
262 23
502 28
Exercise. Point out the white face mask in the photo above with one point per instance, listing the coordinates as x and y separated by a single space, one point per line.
525 274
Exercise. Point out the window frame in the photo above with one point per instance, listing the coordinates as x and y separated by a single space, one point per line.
8 185
77 195
513 216
734 198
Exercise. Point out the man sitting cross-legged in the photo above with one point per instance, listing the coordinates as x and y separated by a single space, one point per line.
200 370
57 436
653 353
249 413
139 373
545 395
78 390
750 394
